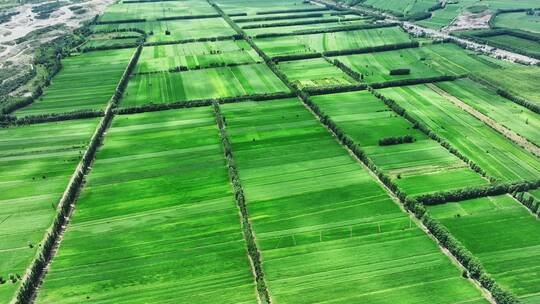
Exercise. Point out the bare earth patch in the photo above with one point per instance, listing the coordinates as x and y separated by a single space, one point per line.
469 21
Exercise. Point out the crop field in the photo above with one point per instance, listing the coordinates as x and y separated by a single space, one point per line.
156 10
377 67
504 41
167 234
520 21
266 7
326 229
297 28
518 79
503 235
195 55
420 167
515 117
271 152
300 44
86 82
201 84
314 72
173 30
498 156
36 162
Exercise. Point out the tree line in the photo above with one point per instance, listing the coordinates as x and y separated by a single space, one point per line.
396 140
191 40
239 196
295 10
406 82
270 18
32 278
345 28
528 201
472 265
302 22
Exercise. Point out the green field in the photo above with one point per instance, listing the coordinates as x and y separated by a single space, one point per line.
443 17
198 54
201 84
530 47
503 235
513 116
314 73
170 235
518 79
420 167
326 229
299 28
290 45
376 67
173 30
154 10
111 40
254 7
406 7
86 82
36 162
490 150
520 21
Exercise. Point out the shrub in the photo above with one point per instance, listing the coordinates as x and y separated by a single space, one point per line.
400 72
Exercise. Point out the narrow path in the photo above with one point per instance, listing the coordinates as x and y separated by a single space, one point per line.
511 135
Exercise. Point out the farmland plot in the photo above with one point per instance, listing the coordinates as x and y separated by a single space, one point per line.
520 21
36 162
335 41
303 27
156 221
490 150
518 79
314 73
513 116
86 82
265 7
327 231
420 167
173 30
503 235
197 54
201 84
377 67
155 10
407 7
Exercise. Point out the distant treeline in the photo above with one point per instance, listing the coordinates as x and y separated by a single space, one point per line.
372 49
480 35
270 18
327 30
204 39
297 10
302 22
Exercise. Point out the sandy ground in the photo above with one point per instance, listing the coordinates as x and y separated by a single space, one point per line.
469 21
25 22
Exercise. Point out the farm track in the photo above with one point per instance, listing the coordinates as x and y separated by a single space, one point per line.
511 135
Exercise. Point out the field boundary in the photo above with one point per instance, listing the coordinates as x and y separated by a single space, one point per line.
501 129
328 30
37 271
249 236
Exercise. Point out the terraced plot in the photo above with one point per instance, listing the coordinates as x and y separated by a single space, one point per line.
327 231
173 30
156 221
86 82
155 9
195 55
201 84
377 67
496 155
503 235
314 73
36 162
513 116
301 44
420 167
